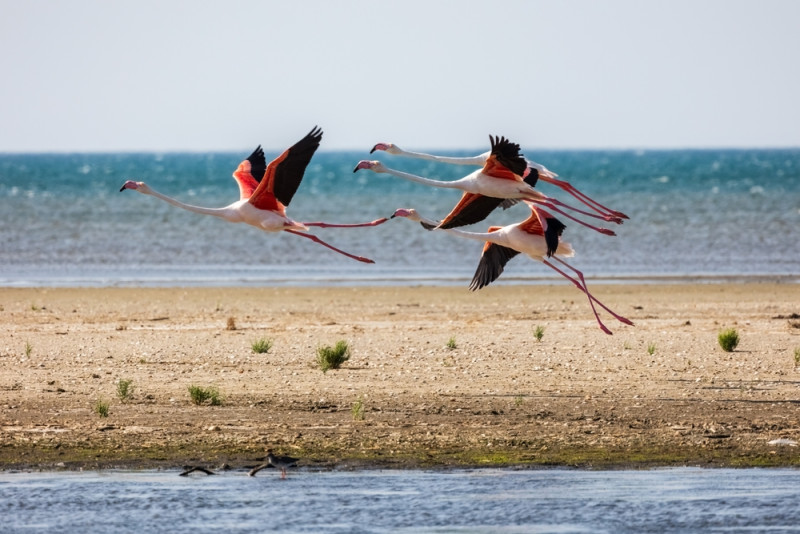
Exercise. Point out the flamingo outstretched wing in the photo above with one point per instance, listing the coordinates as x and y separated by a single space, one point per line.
283 175
250 172
493 261
505 160
544 224
470 209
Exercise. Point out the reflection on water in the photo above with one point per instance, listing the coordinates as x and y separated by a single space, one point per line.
465 501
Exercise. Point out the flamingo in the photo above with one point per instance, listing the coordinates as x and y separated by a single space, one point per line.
500 178
529 237
542 172
265 191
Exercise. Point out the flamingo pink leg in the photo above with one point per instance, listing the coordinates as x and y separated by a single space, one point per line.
376 222
619 318
569 188
608 218
547 204
324 244
582 286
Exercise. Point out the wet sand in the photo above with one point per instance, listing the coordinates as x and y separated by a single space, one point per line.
442 376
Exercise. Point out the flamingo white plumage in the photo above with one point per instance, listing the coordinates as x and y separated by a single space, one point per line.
500 178
265 191
528 237
543 172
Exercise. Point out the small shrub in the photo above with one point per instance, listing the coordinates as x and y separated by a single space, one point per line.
728 339
518 400
451 343
538 332
231 324
333 357
201 395
797 357
651 349
261 346
28 349
358 410
101 408
124 389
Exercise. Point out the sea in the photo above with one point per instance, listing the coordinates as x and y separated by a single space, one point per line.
701 215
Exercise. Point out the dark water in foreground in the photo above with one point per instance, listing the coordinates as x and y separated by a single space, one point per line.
464 501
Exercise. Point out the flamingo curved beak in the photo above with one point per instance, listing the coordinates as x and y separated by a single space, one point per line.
364 164
130 184
380 146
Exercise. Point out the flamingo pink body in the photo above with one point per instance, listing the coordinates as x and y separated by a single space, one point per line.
528 237
265 191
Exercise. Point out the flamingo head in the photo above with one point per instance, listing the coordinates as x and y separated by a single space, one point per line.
374 166
387 147
408 213
136 186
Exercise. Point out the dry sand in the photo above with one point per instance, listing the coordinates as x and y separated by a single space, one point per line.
576 397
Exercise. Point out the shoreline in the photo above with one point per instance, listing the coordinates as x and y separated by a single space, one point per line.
377 282
661 393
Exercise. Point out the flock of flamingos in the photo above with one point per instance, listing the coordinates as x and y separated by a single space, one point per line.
505 178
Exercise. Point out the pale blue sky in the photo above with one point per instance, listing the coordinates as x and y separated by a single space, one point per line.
92 75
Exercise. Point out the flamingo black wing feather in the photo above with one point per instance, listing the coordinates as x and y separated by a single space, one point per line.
473 208
507 153
554 230
532 178
258 164
289 172
490 267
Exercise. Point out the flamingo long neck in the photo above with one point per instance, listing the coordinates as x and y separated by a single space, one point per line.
476 160
456 184
222 213
493 237
497 238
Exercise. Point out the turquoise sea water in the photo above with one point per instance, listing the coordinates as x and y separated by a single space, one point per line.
694 213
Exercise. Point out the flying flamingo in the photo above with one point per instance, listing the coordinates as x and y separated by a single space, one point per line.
542 173
500 178
503 243
265 191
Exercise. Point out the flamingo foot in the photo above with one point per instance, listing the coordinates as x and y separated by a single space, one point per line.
619 214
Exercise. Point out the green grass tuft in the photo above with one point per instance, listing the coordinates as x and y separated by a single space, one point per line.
125 389
101 408
261 346
333 357
201 395
651 348
451 343
538 332
797 356
728 339
28 349
358 410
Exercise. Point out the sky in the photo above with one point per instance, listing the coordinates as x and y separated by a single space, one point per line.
195 75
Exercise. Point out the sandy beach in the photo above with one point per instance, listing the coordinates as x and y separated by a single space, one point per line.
437 376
